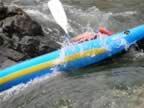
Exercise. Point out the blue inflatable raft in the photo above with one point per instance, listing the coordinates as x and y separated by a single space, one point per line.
70 57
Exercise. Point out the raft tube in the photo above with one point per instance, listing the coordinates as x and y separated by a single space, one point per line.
70 57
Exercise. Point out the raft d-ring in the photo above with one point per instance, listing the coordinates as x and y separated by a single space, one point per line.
127 32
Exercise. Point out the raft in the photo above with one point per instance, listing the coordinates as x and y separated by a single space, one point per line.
70 57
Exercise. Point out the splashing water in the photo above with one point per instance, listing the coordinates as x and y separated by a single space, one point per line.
117 83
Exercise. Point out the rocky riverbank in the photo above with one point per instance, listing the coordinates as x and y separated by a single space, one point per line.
20 36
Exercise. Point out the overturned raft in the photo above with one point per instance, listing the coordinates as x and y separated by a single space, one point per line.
70 57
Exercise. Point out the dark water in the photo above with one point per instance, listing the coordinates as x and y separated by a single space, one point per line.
114 83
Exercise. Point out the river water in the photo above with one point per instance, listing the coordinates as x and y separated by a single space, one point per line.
114 83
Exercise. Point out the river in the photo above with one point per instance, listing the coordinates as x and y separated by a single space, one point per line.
114 83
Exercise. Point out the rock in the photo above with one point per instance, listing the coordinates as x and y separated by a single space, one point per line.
3 11
20 33
21 37
12 54
1 41
5 62
18 22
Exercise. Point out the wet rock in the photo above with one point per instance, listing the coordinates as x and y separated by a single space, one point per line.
5 62
19 32
3 11
9 57
10 53
1 41
18 22
21 37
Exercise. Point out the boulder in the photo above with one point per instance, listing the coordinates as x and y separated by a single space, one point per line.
18 31
3 11
15 21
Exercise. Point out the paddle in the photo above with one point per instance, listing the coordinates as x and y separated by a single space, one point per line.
59 15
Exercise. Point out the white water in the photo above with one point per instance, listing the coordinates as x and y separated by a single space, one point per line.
114 84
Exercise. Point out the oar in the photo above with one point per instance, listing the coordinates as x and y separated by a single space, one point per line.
59 15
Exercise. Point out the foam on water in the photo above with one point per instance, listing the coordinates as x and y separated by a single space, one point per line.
125 14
